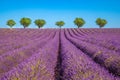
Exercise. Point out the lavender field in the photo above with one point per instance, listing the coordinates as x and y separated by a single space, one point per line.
60 54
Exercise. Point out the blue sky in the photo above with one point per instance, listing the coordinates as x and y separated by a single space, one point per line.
66 10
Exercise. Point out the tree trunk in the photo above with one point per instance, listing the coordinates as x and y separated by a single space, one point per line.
100 27
10 28
39 27
24 27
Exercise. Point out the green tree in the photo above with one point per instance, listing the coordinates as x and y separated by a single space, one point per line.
101 22
25 22
79 22
11 23
40 22
60 23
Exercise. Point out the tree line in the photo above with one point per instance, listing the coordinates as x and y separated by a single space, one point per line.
79 22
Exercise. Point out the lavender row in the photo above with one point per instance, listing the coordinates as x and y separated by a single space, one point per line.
18 36
41 40
100 31
13 58
94 36
77 66
108 46
107 59
110 36
105 35
39 67
21 37
17 45
14 41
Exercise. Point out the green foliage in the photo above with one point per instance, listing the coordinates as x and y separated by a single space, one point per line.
101 22
40 22
79 22
11 23
25 22
60 23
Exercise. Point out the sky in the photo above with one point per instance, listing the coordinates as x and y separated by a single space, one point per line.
56 10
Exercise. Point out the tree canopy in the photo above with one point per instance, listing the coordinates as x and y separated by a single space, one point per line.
101 22
60 23
79 22
25 22
40 22
11 23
